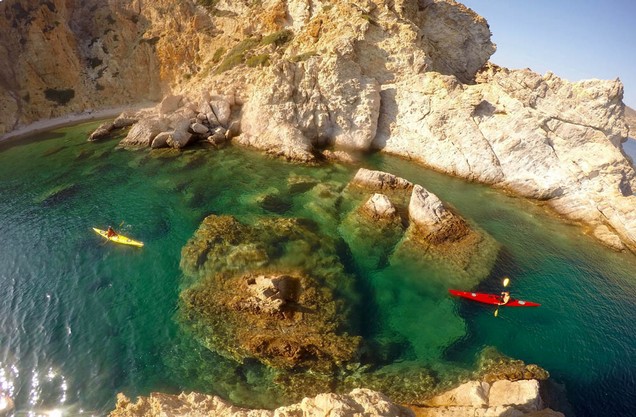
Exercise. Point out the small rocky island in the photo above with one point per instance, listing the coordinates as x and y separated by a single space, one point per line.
313 81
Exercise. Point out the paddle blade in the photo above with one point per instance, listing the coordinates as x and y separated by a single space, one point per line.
496 312
506 281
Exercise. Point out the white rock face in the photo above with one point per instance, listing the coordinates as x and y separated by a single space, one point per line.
524 395
317 102
541 137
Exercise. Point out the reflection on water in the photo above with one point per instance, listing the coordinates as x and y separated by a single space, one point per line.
81 319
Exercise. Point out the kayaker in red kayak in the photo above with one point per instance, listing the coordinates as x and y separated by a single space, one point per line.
505 297
110 232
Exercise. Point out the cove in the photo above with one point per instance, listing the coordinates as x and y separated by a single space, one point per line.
81 319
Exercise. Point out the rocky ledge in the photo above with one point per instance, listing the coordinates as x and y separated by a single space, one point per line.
474 398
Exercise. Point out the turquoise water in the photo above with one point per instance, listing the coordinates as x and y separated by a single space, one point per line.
81 320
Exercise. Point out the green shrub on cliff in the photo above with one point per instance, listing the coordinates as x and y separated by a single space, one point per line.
236 55
61 97
258 61
278 38
208 4
218 54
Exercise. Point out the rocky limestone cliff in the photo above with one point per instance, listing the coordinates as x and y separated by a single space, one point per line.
71 56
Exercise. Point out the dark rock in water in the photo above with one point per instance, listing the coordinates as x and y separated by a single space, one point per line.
268 292
276 203
53 151
58 194
299 183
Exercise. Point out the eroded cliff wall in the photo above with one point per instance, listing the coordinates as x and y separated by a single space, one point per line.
65 56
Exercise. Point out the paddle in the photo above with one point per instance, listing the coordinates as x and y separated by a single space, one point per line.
506 281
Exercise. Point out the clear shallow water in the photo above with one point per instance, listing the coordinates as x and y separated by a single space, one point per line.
81 320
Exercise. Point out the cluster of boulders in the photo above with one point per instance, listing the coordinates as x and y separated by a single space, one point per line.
176 122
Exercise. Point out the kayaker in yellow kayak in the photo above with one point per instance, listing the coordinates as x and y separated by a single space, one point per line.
110 232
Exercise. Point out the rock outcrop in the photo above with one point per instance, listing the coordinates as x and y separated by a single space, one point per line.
359 402
474 398
434 235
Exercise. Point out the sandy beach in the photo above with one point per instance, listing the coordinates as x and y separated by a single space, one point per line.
71 119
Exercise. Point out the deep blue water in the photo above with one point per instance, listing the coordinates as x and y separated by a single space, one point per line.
81 320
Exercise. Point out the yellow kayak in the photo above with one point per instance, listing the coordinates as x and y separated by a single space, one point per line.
118 238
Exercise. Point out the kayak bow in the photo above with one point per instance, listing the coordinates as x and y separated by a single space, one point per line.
492 299
118 238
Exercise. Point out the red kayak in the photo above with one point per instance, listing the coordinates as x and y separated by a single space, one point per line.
492 299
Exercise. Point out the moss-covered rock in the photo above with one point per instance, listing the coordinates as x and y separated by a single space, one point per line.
275 291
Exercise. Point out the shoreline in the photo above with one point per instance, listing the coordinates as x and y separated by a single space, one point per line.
45 125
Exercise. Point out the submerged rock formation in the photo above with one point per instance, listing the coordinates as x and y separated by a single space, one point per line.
268 292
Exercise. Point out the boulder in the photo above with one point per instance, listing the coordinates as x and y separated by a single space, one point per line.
221 110
218 137
125 120
161 140
379 207
179 139
433 221
170 104
523 395
379 181
102 132
438 237
143 132
471 394
199 129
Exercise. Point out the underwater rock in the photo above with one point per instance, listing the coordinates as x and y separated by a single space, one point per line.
300 183
278 304
372 230
275 202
